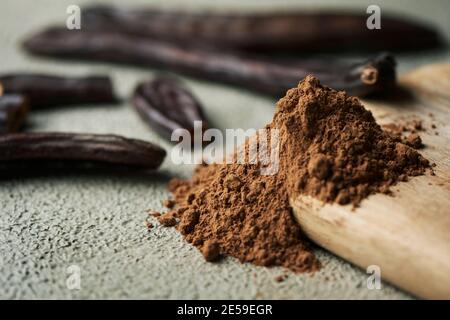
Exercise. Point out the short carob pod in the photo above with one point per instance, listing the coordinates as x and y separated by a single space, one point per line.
44 90
165 105
13 112
46 150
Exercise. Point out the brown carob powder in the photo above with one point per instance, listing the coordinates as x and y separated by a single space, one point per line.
411 127
245 213
330 148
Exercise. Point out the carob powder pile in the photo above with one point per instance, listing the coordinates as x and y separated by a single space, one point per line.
330 148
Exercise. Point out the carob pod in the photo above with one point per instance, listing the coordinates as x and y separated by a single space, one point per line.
35 150
13 112
166 106
48 90
362 78
265 31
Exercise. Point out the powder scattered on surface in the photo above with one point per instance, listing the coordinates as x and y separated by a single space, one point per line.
169 203
148 225
167 220
281 278
411 126
330 148
414 141
407 132
154 214
211 250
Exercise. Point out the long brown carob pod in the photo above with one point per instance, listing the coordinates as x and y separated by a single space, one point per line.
266 77
13 111
44 90
166 106
265 31
72 149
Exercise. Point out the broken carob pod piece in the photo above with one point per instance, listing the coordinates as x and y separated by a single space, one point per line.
49 90
267 77
13 111
166 106
265 32
42 150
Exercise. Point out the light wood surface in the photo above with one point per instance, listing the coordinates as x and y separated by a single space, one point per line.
408 234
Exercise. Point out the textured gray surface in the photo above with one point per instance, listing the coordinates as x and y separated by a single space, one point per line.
96 222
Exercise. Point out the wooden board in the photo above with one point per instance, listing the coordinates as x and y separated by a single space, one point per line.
407 235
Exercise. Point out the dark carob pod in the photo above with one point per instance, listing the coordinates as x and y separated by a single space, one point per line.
265 31
44 90
13 112
38 150
166 106
267 77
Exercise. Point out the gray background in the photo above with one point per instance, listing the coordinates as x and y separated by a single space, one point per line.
96 221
